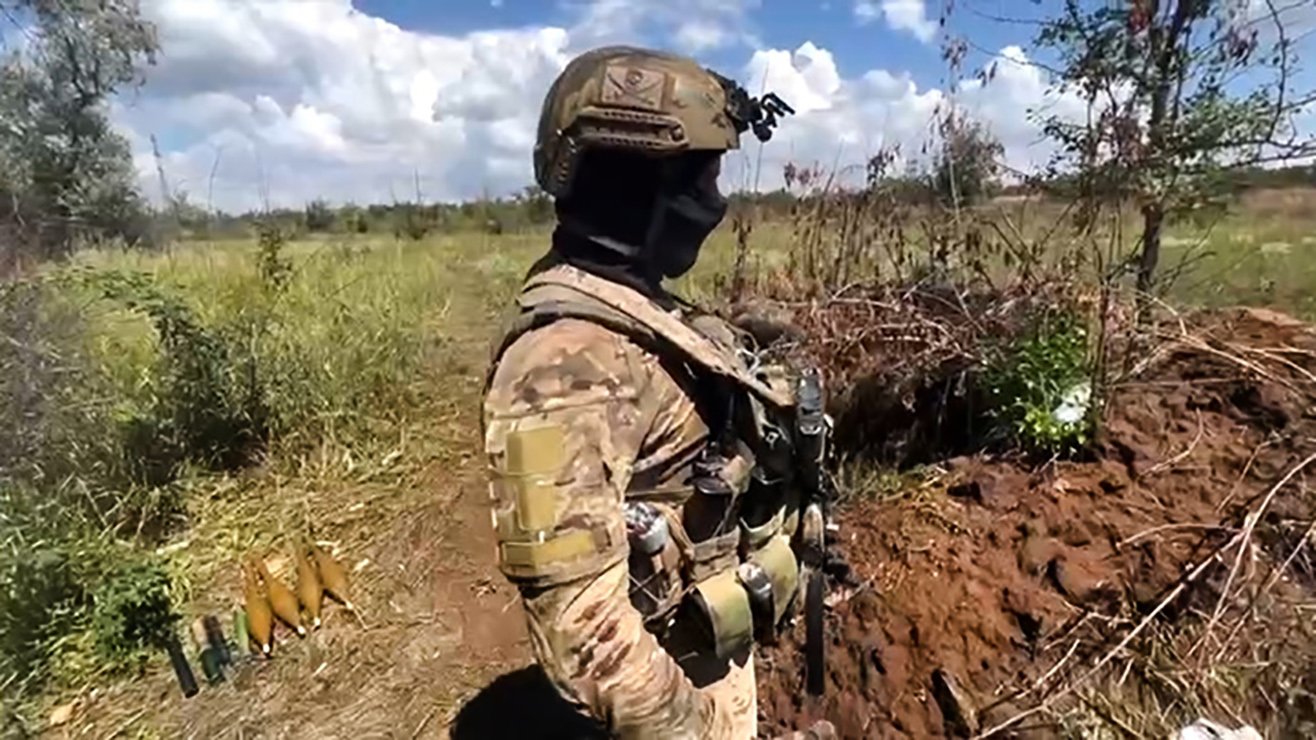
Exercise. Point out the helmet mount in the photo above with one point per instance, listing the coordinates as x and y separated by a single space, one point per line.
748 113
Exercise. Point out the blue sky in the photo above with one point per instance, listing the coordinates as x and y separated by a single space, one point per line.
355 101
857 43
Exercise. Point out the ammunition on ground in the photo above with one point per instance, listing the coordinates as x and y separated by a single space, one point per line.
282 600
241 636
186 679
210 659
215 637
260 618
309 589
333 577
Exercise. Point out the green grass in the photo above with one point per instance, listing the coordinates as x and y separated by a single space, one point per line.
1250 259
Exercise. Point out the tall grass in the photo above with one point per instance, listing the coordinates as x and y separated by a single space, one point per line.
128 377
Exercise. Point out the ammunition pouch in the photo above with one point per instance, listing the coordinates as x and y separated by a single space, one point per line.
721 606
775 564
735 602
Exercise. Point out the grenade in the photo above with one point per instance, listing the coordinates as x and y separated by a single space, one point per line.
333 577
207 654
241 635
215 638
646 527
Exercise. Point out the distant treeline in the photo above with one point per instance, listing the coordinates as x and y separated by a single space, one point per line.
532 208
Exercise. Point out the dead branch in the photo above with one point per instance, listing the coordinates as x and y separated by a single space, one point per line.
1248 528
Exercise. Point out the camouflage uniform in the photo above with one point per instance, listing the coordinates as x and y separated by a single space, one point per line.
583 415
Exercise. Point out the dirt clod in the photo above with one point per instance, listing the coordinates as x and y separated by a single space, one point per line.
956 706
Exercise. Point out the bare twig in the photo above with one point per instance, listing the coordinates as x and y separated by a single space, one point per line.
421 727
1246 534
1167 527
1233 491
1276 358
1197 343
1270 583
1166 464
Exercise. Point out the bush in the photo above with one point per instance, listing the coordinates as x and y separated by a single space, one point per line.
41 600
319 216
1038 385
966 167
125 372
132 610
207 411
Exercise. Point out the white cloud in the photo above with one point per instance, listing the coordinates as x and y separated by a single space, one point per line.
317 98
844 121
312 98
901 15
692 26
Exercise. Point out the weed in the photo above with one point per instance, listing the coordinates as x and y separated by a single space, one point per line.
206 412
275 269
41 600
1038 385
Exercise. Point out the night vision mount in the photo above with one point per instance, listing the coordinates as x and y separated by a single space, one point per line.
747 113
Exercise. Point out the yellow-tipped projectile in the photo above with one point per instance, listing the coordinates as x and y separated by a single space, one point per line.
260 618
282 600
333 577
309 589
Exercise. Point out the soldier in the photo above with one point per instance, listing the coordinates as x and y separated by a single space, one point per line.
627 437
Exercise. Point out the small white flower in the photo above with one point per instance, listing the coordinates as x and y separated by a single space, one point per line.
1074 406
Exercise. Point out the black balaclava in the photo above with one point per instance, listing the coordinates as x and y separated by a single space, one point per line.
638 219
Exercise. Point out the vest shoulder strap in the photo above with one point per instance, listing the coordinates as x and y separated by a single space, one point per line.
568 292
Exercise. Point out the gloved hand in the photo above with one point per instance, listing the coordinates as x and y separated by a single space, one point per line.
820 730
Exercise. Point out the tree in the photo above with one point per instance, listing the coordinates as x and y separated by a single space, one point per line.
536 204
966 166
68 174
1180 93
319 216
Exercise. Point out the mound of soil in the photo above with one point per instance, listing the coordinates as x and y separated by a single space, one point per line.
977 585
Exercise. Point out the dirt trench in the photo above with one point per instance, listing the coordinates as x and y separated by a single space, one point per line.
988 577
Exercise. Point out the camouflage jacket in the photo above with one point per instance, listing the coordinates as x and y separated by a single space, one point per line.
580 417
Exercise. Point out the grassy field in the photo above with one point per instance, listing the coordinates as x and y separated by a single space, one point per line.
210 400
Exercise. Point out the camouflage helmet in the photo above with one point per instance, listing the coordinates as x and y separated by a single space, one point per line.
641 100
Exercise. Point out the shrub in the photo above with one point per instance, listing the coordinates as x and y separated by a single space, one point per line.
41 599
206 411
1038 385
132 610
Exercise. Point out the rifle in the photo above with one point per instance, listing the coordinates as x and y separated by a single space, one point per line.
812 433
